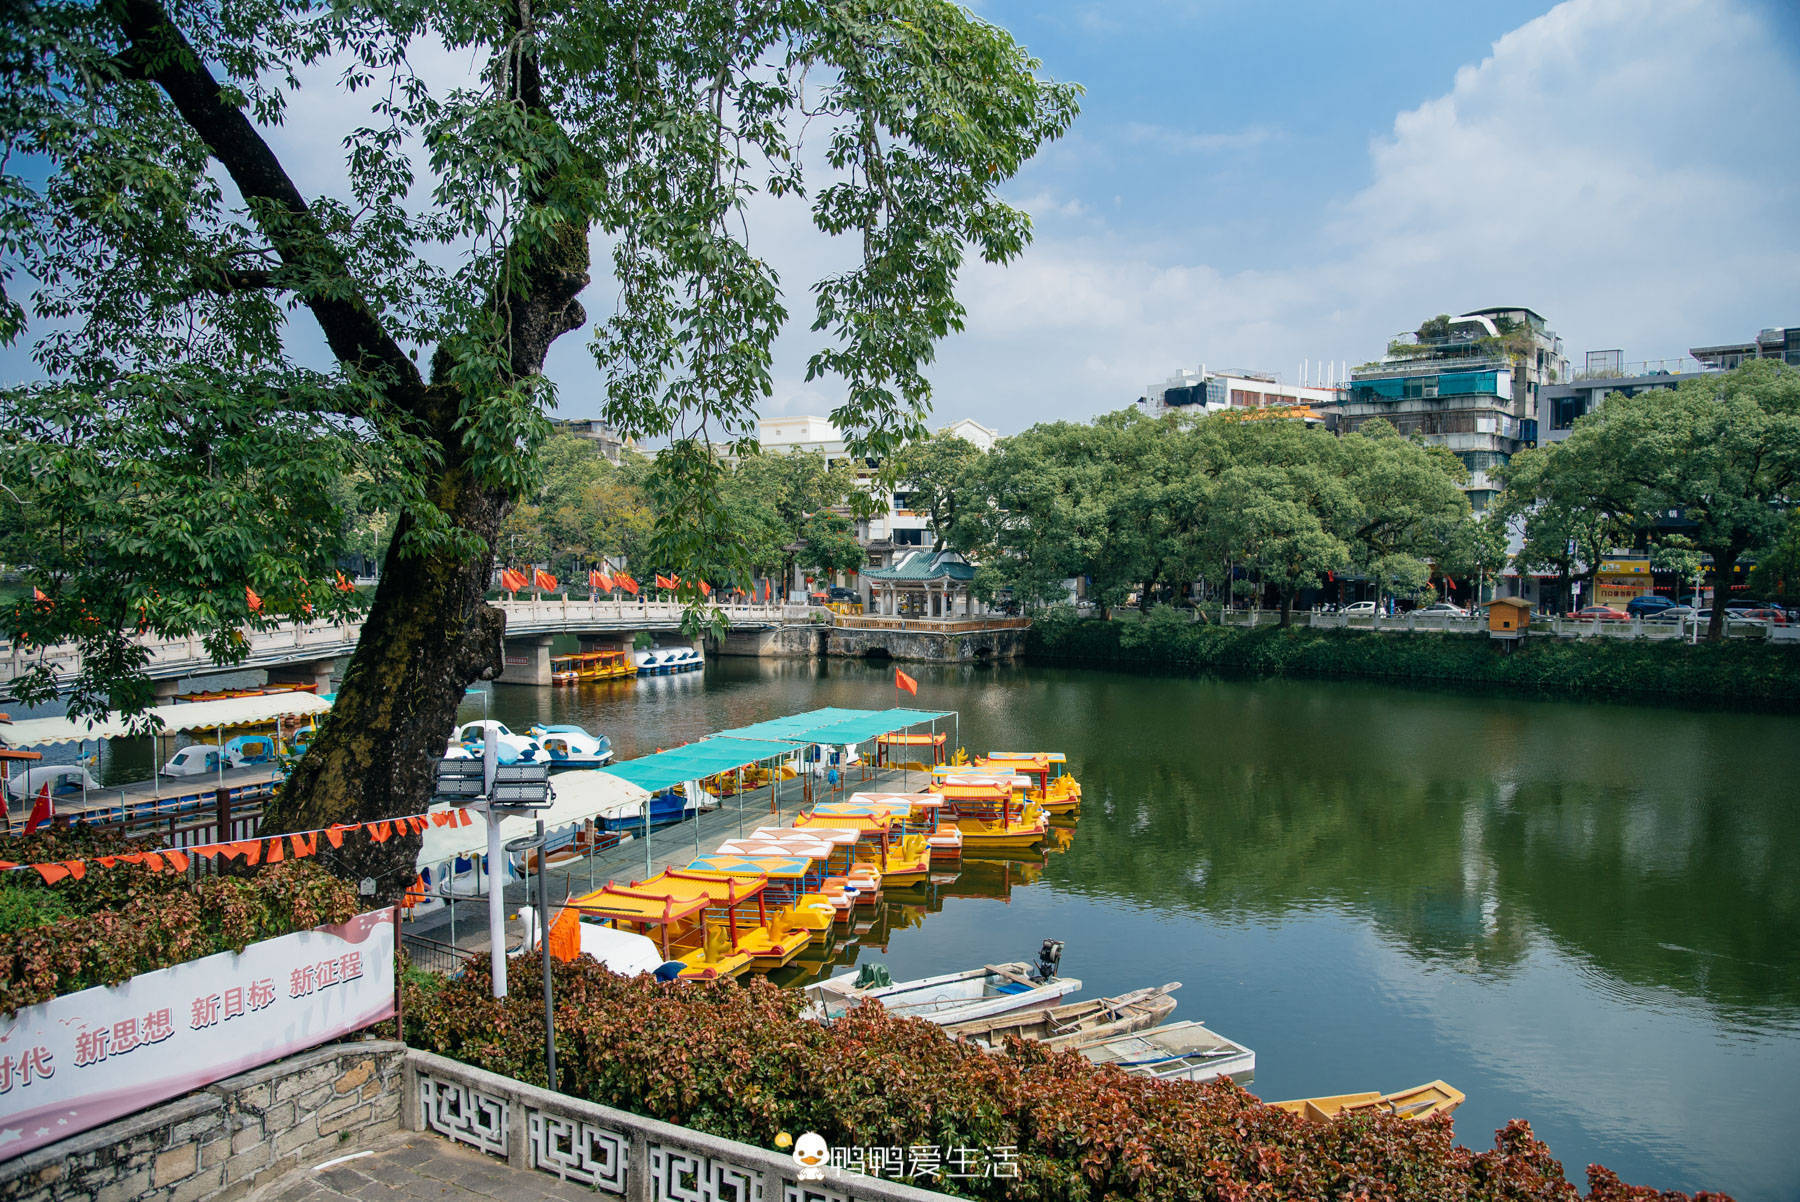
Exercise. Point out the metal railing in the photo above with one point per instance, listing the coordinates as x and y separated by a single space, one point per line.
1561 627
965 625
434 955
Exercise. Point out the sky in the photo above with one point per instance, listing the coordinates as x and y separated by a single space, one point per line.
1257 185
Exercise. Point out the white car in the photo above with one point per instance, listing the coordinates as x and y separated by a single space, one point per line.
1359 609
1446 608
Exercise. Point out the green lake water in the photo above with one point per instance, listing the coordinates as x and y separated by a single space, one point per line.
1583 915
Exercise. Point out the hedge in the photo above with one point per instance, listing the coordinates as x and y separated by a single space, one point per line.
1736 673
738 1061
115 922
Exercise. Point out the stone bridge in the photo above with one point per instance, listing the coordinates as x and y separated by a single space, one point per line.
308 652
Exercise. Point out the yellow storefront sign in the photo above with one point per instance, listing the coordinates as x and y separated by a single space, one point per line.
1619 580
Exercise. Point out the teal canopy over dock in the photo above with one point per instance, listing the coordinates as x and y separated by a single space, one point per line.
774 739
835 726
694 761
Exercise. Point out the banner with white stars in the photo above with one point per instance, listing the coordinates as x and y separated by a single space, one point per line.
87 1058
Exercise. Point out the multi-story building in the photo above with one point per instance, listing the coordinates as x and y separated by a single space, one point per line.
1216 392
1773 343
898 529
605 439
1604 374
1469 383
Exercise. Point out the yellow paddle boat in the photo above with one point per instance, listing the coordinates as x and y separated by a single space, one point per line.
926 812
899 858
1051 785
777 938
989 818
793 884
910 751
678 925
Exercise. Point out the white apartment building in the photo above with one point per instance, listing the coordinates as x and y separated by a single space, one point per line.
1217 391
898 530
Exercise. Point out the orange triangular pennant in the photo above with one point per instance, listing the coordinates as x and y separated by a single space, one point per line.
153 861
51 873
209 850
273 854
380 831
109 861
305 845
250 849
77 868
178 859
466 820
442 817
334 834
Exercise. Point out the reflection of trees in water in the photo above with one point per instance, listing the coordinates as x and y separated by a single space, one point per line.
1665 892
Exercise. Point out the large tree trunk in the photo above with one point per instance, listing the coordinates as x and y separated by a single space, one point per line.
1287 607
429 634
1723 563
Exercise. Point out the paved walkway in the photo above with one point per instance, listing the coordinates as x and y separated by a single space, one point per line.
413 1166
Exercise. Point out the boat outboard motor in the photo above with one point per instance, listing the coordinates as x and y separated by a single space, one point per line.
1048 961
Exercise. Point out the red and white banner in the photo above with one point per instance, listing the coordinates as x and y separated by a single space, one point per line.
87 1058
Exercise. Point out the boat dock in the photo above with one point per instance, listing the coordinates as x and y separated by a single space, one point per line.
675 845
166 797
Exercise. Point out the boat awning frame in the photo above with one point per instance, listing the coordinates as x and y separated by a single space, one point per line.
225 713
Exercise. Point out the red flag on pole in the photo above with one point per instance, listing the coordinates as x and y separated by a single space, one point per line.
903 681
42 812
601 581
666 581
543 581
768 591
626 582
512 581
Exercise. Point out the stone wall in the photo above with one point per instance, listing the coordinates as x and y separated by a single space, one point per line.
797 641
927 646
224 1140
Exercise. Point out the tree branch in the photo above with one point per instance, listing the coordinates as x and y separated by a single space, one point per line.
160 53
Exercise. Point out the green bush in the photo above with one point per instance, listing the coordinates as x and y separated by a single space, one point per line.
739 1062
1734 673
118 921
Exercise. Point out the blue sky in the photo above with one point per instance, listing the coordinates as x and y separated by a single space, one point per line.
1254 184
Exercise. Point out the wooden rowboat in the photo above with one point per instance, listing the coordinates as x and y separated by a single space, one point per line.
1074 1023
1177 1052
1419 1102
951 998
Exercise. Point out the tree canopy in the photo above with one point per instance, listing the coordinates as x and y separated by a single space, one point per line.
179 276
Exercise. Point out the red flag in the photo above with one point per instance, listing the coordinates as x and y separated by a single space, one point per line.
601 581
665 581
42 812
903 681
543 581
705 589
254 600
512 581
37 594
344 585
1449 583
768 591
625 582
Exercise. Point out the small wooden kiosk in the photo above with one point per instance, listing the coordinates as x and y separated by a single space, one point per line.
1508 618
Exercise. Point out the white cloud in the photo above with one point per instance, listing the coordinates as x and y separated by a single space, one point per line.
1625 169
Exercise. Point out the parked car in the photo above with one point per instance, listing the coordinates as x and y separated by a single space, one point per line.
1674 613
1447 608
1360 608
1733 617
1643 607
1771 615
838 592
1599 613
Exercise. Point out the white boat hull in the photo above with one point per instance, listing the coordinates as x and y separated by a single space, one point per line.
1178 1052
952 998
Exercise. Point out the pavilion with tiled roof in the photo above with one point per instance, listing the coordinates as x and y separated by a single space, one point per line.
937 580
